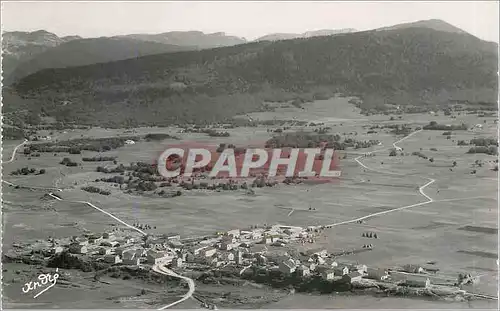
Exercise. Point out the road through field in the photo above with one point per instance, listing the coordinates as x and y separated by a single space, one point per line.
15 150
420 189
163 270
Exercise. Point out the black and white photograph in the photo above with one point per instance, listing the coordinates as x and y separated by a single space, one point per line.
249 155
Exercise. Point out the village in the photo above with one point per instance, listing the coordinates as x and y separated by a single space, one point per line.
263 255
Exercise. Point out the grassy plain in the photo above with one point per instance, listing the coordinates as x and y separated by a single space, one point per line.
431 232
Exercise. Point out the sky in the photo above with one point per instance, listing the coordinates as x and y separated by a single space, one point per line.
243 19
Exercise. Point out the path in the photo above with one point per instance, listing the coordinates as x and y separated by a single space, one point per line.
420 189
164 270
15 150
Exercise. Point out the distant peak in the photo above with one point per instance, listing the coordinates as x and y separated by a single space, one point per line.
436 24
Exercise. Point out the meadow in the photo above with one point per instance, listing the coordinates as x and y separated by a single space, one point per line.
431 232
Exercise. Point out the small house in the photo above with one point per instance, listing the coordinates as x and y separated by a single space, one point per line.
81 241
77 248
112 259
108 236
175 244
110 243
341 270
197 250
129 142
105 251
57 249
328 274
235 233
411 282
209 252
226 246
351 277
226 256
287 266
177 262
303 271
261 259
413 269
376 274
172 236
132 257
154 257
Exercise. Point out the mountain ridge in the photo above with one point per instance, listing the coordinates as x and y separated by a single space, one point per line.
408 66
307 34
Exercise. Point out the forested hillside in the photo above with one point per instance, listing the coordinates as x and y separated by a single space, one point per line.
411 66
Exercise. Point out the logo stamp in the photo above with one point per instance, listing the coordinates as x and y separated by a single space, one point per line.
43 279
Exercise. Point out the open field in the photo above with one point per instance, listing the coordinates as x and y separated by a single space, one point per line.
430 232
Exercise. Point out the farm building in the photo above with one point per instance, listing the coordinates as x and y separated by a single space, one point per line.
377 274
352 277
417 282
287 266
113 259
77 248
328 274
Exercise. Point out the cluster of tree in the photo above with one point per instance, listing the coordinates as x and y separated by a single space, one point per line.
159 136
322 130
369 235
447 133
171 194
27 171
485 142
146 186
237 150
118 169
462 143
98 159
93 189
68 162
214 133
115 180
313 140
65 260
75 146
419 154
433 125
491 150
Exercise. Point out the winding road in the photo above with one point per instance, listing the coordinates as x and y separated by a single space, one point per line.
420 189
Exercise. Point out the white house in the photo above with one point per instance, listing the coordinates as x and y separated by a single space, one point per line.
177 262
235 233
129 142
113 259
226 256
105 250
287 266
328 274
57 249
132 257
209 252
341 270
154 257
77 248
377 274
303 270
